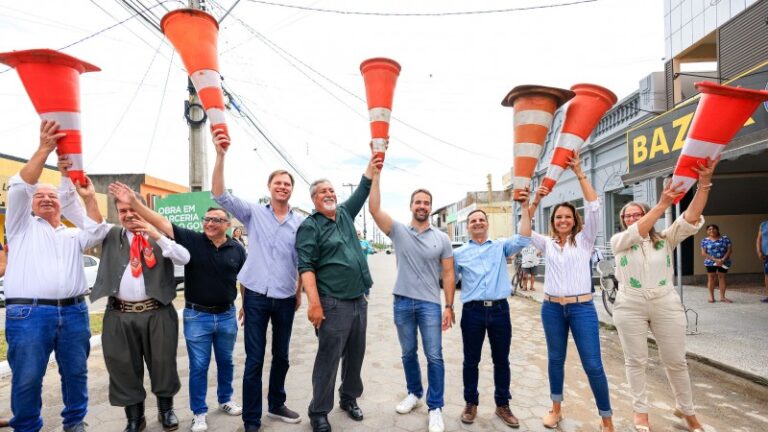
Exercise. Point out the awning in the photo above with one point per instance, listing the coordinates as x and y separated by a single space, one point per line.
748 145
654 146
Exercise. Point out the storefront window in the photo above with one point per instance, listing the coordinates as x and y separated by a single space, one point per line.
616 200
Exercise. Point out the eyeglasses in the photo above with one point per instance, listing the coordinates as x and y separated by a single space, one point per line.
633 215
215 220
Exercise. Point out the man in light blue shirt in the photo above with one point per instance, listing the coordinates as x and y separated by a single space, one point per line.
268 286
482 265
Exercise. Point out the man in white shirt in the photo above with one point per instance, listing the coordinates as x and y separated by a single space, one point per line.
45 288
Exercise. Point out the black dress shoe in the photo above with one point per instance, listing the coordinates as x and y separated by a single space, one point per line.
136 420
354 411
320 424
165 414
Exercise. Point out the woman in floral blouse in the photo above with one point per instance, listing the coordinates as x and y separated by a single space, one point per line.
647 299
716 250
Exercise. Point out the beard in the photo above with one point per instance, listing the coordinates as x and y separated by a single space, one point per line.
329 205
421 217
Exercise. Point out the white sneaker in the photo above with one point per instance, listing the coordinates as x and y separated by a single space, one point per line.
199 423
408 404
436 423
231 408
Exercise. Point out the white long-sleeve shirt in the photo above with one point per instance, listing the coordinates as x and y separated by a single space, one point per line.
46 262
132 289
567 270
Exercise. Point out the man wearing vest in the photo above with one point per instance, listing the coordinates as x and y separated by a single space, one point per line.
268 285
423 254
335 276
45 288
210 290
140 323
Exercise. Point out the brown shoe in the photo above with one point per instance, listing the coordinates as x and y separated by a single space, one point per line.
469 414
505 414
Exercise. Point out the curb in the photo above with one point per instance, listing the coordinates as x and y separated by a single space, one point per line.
757 379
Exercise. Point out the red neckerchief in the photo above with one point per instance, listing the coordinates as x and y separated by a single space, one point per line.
139 246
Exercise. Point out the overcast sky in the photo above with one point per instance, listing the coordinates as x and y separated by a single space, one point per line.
298 72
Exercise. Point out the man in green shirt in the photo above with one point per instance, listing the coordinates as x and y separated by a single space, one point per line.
334 272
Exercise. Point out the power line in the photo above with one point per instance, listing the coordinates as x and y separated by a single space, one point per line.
159 110
100 31
127 108
428 14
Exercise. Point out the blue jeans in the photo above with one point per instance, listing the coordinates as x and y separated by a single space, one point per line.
412 316
201 331
32 333
476 320
581 320
259 310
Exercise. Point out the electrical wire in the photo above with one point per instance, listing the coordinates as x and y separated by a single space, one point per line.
433 14
127 108
159 110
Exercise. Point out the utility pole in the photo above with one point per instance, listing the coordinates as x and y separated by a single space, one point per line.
365 225
196 117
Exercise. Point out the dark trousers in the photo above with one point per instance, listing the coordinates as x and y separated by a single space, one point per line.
341 337
476 320
259 310
131 340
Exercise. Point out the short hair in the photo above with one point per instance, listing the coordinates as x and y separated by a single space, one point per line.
276 173
714 226
476 211
313 186
138 197
219 209
424 191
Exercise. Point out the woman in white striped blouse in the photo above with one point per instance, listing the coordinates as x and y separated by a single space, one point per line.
568 304
647 299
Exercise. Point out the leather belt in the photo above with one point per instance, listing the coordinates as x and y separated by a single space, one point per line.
485 303
583 298
47 302
134 307
208 309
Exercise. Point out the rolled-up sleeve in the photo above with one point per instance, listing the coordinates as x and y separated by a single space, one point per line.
591 224
174 251
625 239
92 233
515 244
680 230
238 207
19 207
307 249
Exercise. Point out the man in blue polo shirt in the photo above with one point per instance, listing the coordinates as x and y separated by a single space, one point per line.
423 253
268 285
482 265
210 290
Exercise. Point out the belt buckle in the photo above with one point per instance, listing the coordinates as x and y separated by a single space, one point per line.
139 307
487 303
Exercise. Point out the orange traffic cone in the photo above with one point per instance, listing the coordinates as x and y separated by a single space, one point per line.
721 113
52 81
194 34
380 76
534 109
581 117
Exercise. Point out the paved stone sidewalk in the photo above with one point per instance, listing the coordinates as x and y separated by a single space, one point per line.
725 403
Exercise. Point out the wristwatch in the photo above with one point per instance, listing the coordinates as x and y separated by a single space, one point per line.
449 306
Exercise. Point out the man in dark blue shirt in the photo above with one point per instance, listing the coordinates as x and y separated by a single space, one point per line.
210 290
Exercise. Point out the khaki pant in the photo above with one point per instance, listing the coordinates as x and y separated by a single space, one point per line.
660 309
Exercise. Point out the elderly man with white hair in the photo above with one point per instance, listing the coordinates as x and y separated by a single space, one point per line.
45 287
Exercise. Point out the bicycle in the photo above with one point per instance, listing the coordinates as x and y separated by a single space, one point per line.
609 285
517 279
